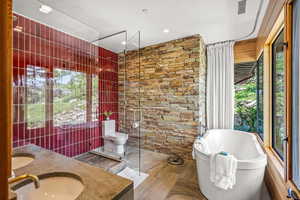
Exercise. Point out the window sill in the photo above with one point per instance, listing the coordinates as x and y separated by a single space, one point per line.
273 158
275 161
274 176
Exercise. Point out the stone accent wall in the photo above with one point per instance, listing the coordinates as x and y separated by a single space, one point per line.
172 79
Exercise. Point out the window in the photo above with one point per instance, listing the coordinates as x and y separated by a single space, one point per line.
36 97
95 97
260 96
278 95
71 104
69 97
245 101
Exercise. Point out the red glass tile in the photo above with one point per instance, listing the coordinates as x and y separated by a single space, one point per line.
32 44
21 59
79 56
27 59
32 27
38 45
15 58
38 30
43 32
15 40
21 41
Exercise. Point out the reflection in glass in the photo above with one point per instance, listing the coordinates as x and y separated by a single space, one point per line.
69 97
95 97
36 97
260 96
278 95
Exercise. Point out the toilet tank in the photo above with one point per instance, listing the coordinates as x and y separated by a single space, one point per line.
108 127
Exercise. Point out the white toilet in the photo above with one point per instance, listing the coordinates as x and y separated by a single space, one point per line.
113 141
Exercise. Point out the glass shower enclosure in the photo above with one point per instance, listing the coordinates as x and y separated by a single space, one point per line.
129 118
69 78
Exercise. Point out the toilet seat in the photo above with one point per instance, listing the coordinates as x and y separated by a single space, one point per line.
118 138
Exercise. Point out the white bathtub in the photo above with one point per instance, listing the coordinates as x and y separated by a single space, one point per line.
251 165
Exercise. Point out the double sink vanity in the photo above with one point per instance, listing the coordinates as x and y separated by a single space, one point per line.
42 174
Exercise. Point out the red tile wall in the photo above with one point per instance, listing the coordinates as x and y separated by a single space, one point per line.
39 45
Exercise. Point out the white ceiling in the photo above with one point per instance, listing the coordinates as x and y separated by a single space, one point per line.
215 20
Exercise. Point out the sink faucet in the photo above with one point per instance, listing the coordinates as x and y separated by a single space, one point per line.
34 178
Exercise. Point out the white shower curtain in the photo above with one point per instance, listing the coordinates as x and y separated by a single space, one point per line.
220 85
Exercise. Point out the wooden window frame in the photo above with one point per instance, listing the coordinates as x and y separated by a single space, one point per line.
261 56
278 27
279 173
282 156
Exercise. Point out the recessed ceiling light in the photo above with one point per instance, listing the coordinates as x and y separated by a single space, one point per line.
45 9
124 42
166 30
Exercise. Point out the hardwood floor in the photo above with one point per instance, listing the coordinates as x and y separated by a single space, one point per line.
165 181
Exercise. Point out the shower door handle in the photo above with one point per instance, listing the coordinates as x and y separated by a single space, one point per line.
137 123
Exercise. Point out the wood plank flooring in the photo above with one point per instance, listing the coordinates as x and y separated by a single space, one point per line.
165 181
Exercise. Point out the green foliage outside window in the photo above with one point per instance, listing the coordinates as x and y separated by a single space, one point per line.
245 105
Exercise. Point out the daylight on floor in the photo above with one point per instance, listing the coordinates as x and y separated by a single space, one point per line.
149 100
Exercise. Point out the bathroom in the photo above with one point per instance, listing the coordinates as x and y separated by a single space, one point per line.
149 100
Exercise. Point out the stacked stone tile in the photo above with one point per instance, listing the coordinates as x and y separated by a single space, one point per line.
172 83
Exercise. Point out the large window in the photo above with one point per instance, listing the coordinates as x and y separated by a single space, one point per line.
245 102
278 95
260 96
71 103
69 97
36 97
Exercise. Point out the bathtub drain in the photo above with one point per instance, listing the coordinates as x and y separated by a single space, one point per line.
175 160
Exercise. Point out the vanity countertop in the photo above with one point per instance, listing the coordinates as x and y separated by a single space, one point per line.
98 184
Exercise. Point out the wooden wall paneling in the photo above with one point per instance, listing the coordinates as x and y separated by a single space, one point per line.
5 94
272 13
245 51
273 178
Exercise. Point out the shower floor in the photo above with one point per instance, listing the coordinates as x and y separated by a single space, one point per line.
165 181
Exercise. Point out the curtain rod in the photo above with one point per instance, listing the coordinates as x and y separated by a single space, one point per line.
252 31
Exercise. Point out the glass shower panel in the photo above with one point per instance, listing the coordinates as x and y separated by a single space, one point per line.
108 107
121 105
133 111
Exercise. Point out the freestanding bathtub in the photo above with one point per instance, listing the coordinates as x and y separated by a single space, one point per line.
251 165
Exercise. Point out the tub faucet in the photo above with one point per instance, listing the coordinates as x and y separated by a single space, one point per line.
201 128
34 178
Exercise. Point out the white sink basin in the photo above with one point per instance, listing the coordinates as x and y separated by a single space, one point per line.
52 187
21 160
